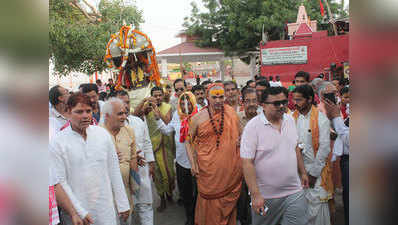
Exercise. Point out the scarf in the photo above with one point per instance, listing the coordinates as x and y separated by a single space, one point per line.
185 118
326 174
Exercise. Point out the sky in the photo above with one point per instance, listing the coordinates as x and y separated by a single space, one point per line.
164 19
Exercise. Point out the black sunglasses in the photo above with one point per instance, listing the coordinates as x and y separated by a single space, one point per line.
278 103
179 89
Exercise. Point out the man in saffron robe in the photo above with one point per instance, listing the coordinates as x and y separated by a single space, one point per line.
214 137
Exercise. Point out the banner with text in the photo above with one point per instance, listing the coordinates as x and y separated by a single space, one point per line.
286 55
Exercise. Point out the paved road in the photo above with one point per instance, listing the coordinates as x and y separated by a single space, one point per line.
174 214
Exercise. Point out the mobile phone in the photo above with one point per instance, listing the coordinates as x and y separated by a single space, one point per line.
331 97
262 213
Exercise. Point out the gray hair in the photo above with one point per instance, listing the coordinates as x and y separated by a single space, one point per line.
322 86
316 82
107 108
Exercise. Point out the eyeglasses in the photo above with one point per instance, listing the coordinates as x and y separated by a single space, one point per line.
278 103
179 89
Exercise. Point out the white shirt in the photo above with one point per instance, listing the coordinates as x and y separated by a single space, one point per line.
143 142
173 102
272 83
342 143
314 165
276 84
142 139
175 125
55 122
101 104
89 172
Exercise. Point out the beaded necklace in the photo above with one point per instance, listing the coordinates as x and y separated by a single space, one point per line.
218 132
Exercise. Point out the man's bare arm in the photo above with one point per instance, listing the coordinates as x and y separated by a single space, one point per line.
64 202
139 110
301 168
249 173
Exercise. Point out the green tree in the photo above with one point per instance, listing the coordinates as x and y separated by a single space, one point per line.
78 32
235 26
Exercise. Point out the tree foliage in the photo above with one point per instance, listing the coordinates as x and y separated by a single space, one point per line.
235 26
77 41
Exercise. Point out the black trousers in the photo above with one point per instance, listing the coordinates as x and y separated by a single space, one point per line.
187 186
243 206
345 175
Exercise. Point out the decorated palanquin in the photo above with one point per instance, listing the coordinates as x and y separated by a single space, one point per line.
130 54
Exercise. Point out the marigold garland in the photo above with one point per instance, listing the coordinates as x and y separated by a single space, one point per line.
124 38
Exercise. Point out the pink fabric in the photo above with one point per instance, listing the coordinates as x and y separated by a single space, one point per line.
274 155
53 210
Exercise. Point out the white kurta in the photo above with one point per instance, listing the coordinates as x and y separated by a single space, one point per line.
318 208
89 172
144 144
175 126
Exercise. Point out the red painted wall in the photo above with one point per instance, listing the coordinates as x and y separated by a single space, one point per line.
322 51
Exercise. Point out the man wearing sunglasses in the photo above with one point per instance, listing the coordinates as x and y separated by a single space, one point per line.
273 165
179 87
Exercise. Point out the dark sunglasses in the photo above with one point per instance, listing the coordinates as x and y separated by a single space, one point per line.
179 89
278 103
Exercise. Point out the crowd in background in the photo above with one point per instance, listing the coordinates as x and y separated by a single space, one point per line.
259 154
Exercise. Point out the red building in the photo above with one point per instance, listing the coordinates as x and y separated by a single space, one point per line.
308 50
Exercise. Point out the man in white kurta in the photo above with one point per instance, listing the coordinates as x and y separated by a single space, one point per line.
87 167
143 199
89 172
317 196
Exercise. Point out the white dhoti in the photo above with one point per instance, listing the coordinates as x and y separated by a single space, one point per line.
318 207
143 209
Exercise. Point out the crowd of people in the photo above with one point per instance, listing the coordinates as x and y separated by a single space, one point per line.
260 154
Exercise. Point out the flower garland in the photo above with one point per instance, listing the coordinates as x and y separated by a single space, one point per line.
126 40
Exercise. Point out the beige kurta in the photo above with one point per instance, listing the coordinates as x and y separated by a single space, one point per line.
125 143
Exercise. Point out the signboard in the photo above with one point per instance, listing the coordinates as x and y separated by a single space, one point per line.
286 55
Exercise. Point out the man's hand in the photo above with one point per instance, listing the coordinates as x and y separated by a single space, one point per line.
76 220
124 215
150 100
195 169
152 169
258 203
312 181
88 220
156 111
304 180
119 155
140 159
238 142
332 110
